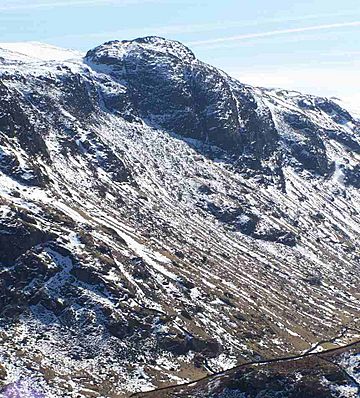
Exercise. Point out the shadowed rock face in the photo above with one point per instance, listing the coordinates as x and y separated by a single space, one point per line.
18 235
161 220
168 87
17 126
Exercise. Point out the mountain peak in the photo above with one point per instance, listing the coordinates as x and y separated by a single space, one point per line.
115 50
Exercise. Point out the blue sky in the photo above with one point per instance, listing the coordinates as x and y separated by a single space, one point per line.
309 45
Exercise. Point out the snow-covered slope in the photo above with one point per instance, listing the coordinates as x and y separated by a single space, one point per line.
38 51
161 220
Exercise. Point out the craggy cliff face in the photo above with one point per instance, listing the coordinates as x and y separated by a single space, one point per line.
161 220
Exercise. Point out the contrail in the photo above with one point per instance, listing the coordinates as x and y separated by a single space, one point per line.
275 33
197 28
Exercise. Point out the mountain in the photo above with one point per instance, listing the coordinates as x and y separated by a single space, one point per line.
162 221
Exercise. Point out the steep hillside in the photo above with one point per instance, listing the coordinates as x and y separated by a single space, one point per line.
334 373
162 221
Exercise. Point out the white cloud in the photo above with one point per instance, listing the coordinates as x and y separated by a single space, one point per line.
328 80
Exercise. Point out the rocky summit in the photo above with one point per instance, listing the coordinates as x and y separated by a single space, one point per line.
162 222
